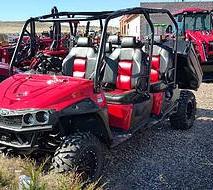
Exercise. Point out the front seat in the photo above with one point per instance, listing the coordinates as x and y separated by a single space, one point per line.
123 68
115 41
77 61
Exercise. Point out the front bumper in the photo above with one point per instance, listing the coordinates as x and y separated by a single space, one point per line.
22 140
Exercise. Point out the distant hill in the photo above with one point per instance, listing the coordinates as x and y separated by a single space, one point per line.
16 26
11 27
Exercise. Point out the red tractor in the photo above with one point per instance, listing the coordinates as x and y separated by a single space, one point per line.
102 97
196 25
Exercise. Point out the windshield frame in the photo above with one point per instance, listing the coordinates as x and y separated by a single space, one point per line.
57 18
182 23
205 21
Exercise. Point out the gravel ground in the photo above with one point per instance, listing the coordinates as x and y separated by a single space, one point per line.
163 158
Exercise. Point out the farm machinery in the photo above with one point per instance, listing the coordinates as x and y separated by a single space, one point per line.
101 97
196 25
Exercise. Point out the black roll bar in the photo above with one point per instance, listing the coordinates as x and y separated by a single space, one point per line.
55 17
12 62
70 17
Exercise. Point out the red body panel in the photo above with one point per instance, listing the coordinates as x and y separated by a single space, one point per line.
120 115
189 10
199 38
45 42
46 92
6 53
157 103
4 70
56 53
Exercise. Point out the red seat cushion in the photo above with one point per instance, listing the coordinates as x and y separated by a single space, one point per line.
79 67
124 75
154 76
155 69
156 63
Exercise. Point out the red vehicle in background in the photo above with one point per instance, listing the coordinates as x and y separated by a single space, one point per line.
195 25
51 44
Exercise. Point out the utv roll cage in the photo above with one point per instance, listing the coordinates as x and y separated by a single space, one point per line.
75 17
146 12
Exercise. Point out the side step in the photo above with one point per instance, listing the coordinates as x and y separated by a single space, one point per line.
119 137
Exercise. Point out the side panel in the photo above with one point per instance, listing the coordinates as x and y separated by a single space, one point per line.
157 103
120 116
142 112
7 54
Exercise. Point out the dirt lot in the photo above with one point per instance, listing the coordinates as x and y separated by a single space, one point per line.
162 158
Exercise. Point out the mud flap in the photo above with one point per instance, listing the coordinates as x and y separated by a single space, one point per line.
189 71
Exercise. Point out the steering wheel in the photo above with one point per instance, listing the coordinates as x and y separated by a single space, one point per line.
23 54
43 64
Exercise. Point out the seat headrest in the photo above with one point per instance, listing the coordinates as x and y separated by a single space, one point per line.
84 42
115 40
128 42
108 48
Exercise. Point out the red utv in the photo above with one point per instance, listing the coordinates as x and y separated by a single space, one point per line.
196 25
100 100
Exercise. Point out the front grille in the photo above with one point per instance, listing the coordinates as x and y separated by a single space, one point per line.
11 120
16 139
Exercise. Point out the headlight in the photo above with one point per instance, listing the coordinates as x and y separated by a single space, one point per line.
36 118
28 119
42 117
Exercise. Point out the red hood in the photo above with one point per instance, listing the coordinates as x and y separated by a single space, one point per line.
204 36
24 91
191 10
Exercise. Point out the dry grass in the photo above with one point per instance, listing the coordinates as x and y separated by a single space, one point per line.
15 27
12 168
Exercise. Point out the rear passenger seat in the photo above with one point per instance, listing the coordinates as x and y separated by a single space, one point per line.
123 68
161 63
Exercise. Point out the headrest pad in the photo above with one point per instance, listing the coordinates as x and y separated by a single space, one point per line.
84 42
115 39
128 42
108 48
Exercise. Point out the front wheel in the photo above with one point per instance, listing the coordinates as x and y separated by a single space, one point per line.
184 117
82 153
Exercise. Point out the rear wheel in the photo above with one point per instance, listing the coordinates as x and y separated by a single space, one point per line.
82 153
184 117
